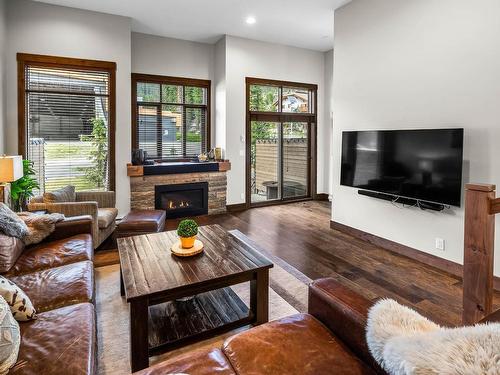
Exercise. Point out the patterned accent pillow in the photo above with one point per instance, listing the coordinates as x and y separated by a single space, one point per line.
10 338
65 194
20 305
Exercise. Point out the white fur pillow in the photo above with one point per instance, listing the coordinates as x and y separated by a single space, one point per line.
404 342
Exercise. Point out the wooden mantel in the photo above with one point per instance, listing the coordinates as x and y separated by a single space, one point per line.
481 206
139 170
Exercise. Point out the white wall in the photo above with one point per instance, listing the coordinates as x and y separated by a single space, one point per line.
328 115
173 57
219 85
39 28
249 58
417 64
3 31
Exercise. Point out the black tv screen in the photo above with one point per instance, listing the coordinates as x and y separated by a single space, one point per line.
420 164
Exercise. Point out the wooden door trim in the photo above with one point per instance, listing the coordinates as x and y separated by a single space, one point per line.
182 81
310 118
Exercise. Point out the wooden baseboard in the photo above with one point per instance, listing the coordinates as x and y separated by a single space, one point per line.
321 197
453 268
236 207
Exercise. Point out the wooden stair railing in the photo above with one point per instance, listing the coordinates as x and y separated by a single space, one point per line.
479 247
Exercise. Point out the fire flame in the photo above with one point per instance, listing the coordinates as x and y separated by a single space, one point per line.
182 204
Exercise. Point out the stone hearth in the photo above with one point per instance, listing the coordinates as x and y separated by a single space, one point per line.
142 188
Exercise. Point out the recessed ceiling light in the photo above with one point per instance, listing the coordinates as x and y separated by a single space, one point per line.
251 20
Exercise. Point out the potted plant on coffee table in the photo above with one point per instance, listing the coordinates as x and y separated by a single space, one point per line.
187 231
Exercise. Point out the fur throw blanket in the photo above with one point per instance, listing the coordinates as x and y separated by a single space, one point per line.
39 226
10 223
404 342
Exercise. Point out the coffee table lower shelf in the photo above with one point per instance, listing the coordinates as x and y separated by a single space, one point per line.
176 323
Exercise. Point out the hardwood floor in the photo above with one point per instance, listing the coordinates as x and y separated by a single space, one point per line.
300 234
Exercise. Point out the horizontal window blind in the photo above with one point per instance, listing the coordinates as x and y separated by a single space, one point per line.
67 126
171 119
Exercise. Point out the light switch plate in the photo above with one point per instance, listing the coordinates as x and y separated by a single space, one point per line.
440 244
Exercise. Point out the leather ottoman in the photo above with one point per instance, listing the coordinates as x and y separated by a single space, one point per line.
139 222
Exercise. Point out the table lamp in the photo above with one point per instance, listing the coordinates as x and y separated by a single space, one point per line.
11 169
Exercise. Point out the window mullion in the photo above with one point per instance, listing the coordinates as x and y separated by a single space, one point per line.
159 141
184 132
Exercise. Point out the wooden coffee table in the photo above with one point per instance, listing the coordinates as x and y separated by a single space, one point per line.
156 283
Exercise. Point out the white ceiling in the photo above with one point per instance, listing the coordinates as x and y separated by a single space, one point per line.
300 23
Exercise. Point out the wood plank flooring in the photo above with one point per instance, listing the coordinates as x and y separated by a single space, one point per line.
300 234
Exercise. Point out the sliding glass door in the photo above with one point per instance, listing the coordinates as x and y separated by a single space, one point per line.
295 157
265 161
279 161
280 124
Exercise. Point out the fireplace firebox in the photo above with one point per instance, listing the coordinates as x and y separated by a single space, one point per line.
182 200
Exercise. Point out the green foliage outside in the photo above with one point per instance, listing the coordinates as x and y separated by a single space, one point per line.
262 98
190 137
64 150
67 151
79 182
187 228
96 175
22 189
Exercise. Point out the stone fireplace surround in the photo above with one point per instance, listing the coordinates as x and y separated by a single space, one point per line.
144 179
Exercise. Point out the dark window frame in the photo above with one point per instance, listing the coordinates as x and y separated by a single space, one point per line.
57 62
311 118
180 81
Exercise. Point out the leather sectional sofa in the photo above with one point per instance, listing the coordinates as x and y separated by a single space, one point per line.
330 339
58 276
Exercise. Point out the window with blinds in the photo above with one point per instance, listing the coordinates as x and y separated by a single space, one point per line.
67 124
171 116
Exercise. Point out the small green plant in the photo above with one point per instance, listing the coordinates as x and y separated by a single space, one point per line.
22 189
187 228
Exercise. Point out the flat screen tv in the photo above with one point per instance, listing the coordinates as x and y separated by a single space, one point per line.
422 164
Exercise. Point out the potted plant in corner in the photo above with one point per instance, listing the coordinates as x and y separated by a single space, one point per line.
187 231
21 190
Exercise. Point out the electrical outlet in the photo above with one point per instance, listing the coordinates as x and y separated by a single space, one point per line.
242 195
242 152
440 244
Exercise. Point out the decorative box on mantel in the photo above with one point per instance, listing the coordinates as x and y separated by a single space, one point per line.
181 188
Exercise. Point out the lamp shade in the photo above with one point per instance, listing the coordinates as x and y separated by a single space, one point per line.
11 168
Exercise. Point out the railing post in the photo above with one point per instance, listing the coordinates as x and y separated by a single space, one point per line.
479 244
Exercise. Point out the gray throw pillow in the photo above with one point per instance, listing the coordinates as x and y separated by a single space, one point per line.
65 194
10 338
11 224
